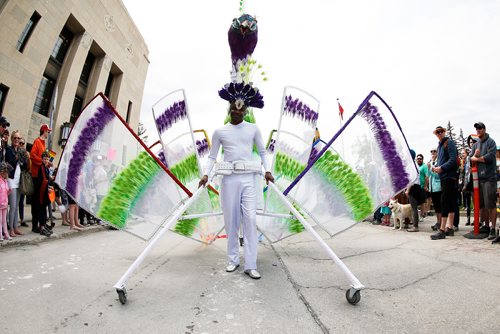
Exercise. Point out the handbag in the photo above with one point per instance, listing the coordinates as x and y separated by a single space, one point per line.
26 185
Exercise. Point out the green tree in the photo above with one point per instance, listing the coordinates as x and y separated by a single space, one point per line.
141 132
451 133
461 141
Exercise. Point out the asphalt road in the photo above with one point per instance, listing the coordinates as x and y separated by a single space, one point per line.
413 285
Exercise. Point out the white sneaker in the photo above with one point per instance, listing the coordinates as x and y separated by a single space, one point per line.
232 267
253 273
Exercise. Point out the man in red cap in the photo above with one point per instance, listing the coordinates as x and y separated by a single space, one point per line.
36 163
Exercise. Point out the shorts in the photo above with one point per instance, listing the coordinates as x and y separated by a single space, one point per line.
436 201
487 194
449 195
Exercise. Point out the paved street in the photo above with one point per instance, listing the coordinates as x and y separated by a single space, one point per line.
413 285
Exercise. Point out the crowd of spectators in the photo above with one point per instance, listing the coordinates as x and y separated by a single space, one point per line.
46 198
446 181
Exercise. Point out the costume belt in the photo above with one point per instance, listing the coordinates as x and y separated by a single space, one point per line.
237 167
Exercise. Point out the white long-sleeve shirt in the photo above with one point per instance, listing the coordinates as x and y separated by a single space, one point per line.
237 142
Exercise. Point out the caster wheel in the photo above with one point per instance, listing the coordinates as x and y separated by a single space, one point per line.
241 242
353 296
122 295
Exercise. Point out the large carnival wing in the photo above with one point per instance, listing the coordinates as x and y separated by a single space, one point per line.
347 178
108 171
183 152
291 148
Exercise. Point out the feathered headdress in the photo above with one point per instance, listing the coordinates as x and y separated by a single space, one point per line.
242 94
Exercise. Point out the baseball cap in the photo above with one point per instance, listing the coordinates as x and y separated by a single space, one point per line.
3 121
439 128
45 127
479 125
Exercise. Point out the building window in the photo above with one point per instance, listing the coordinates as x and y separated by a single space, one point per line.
44 95
28 30
3 96
109 85
87 69
76 110
129 112
62 45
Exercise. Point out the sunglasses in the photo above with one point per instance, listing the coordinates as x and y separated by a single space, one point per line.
18 138
21 143
439 132
433 151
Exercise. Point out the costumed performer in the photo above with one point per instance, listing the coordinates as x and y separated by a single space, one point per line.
238 187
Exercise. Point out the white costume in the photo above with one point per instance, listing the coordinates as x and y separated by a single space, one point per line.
238 190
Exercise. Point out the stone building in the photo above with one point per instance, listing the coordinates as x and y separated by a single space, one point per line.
56 55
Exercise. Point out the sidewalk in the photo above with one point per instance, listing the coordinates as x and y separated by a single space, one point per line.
60 231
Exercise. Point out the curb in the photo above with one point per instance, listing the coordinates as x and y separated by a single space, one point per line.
34 239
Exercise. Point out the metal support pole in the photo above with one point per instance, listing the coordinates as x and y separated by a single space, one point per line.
355 283
121 282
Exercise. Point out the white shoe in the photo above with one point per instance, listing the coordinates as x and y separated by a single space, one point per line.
232 267
253 273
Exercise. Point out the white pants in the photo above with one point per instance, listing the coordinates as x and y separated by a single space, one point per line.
239 201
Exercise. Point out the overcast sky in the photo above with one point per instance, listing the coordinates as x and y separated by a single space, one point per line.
431 60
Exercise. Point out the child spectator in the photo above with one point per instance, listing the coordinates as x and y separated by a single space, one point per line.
62 204
4 200
43 195
386 211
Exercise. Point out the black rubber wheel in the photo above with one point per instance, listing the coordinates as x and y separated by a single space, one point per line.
241 242
122 295
356 297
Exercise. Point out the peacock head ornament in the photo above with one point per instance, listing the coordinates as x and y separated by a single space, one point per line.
242 37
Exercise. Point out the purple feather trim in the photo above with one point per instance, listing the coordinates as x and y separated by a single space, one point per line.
393 162
240 91
162 158
94 127
313 155
270 147
296 108
202 147
171 115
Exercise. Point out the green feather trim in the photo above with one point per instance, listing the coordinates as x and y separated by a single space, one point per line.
294 225
348 182
127 187
335 172
287 166
186 169
214 200
186 227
